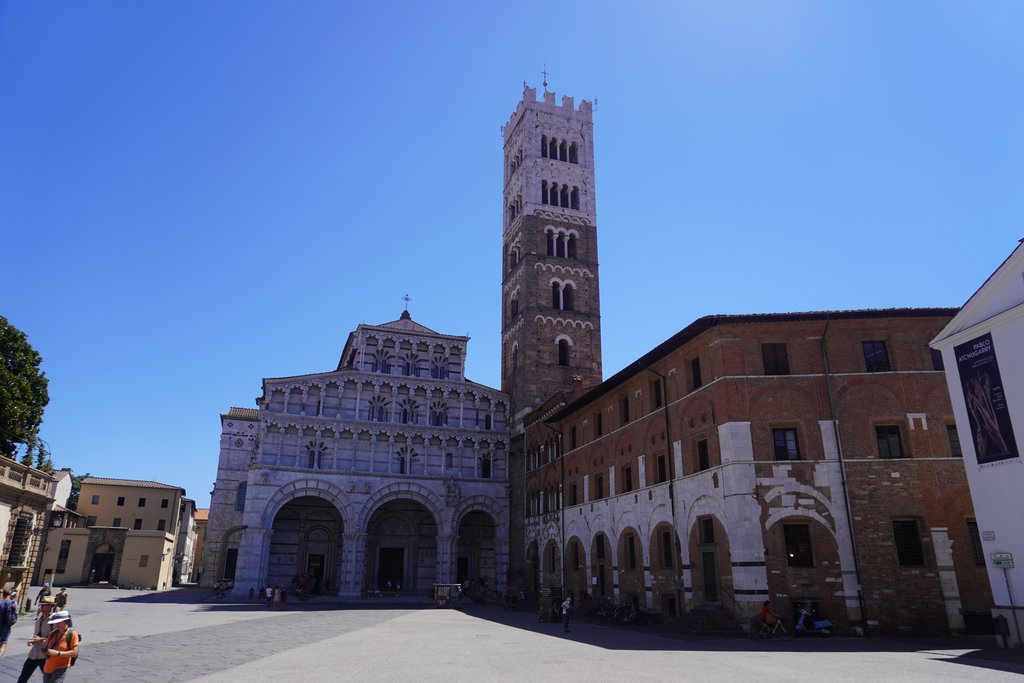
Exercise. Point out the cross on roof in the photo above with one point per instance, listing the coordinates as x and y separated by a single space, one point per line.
406 299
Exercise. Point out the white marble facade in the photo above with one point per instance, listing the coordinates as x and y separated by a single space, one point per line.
390 468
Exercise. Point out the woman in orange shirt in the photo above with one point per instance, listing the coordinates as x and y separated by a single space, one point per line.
61 647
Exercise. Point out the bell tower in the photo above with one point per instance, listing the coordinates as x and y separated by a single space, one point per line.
551 308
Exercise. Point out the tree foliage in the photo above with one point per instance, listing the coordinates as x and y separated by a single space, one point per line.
23 392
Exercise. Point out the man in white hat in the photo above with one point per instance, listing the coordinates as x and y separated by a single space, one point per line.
40 630
61 646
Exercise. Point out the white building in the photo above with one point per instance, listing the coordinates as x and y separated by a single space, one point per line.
390 468
982 352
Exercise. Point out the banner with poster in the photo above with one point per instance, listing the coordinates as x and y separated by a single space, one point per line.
986 402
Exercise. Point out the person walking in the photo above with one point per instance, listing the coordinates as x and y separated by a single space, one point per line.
60 648
8 615
61 599
566 606
40 630
43 593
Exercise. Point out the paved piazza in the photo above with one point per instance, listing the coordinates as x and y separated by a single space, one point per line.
185 635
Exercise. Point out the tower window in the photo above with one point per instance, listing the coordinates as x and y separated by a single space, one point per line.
572 247
563 195
544 147
563 352
573 154
567 298
563 151
553 148
556 295
574 198
551 242
543 192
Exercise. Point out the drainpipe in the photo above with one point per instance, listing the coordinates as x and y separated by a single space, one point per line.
842 471
677 541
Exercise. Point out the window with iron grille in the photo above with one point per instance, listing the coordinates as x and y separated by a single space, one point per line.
598 424
625 409
776 360
703 461
786 445
599 487
662 471
889 443
798 545
627 479
976 549
695 376
907 537
656 394
666 549
954 441
707 530
876 356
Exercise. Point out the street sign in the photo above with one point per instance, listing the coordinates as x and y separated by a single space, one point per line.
1002 560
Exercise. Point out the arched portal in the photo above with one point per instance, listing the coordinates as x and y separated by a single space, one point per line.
478 553
401 547
305 544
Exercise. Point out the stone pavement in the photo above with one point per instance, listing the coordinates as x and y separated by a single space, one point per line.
185 635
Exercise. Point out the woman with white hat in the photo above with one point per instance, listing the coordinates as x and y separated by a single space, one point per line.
61 647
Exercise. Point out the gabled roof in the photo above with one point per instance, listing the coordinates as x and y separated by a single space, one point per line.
407 324
136 483
1002 291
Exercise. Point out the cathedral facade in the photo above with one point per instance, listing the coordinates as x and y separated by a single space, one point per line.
390 470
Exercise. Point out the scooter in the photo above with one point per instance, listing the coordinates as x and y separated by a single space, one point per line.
806 625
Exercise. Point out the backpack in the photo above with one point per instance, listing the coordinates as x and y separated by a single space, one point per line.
74 660
8 613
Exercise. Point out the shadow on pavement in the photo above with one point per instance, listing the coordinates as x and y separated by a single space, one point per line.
980 650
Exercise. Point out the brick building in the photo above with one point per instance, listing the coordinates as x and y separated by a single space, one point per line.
724 468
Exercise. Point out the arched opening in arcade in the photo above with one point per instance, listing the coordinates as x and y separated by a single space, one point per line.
401 547
533 567
306 545
602 567
478 552
576 569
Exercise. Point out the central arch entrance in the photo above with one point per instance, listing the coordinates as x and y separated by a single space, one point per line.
401 547
305 545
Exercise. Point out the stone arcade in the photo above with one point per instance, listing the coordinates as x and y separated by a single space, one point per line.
390 470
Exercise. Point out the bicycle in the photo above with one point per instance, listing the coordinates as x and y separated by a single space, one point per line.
777 628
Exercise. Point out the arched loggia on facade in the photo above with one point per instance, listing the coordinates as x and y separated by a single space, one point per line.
306 545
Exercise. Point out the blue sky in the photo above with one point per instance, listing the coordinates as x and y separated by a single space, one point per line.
194 196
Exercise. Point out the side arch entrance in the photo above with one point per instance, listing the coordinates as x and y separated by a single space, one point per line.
305 545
